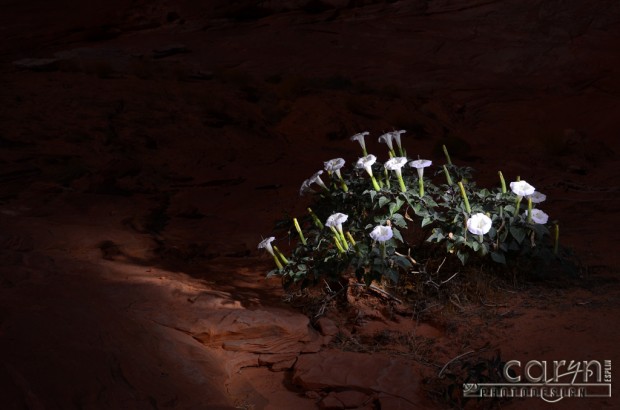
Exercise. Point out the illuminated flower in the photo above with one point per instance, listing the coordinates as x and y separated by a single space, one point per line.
334 165
538 216
522 188
367 163
360 139
395 164
266 244
336 220
537 197
314 179
387 138
382 233
396 137
420 164
479 224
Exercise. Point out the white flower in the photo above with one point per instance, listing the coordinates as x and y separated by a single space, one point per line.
537 197
314 179
420 164
522 188
396 136
334 165
360 139
387 138
382 233
266 244
305 187
538 216
395 164
366 163
479 224
336 220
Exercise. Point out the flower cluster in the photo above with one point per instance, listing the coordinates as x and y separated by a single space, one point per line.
368 216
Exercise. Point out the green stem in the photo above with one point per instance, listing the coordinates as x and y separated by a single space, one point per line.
375 185
316 219
445 151
344 186
301 234
387 177
338 245
275 248
529 210
465 199
503 181
421 184
448 177
278 264
403 188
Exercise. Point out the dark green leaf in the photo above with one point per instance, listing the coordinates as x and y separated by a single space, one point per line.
498 257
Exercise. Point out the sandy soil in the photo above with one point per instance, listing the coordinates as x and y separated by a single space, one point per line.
146 148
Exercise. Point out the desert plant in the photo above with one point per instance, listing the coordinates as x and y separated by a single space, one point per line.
378 220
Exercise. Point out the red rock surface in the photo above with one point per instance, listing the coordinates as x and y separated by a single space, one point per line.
145 147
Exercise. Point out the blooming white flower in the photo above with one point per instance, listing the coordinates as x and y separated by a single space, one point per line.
396 137
266 244
314 179
334 165
537 197
305 187
395 164
366 163
479 224
538 216
382 233
336 220
420 164
522 188
360 139
387 138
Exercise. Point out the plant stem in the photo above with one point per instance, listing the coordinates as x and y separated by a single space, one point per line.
465 199
275 248
277 261
448 177
445 151
375 185
421 184
316 219
403 188
502 181
301 234
529 210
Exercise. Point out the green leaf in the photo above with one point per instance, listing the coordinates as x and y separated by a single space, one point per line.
517 233
498 257
372 193
403 262
397 235
399 221
384 200
426 221
462 255
395 206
